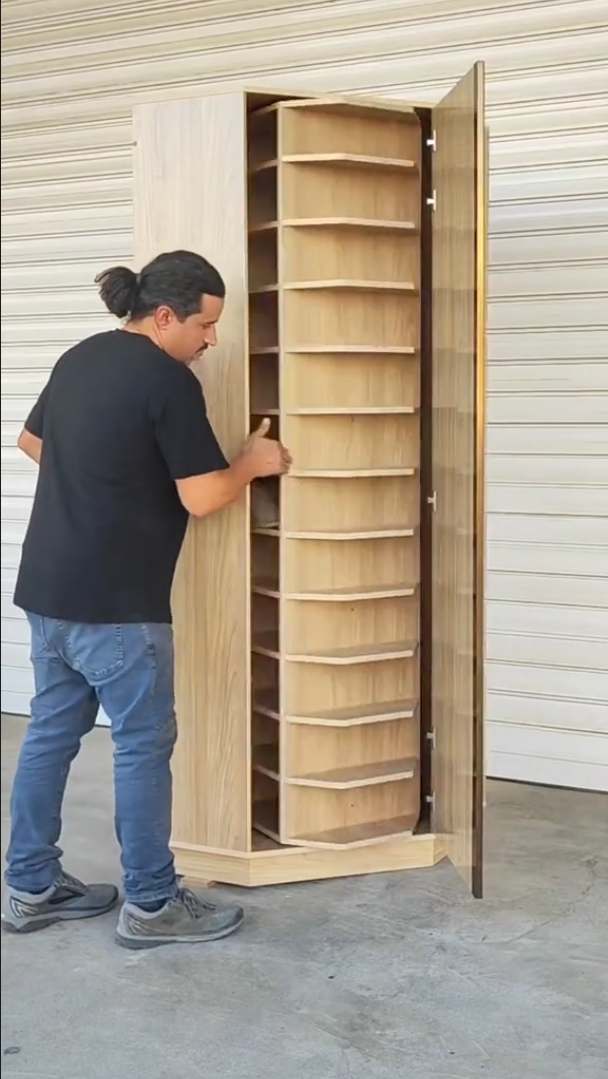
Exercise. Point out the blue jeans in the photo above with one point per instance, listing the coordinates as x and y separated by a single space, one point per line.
128 670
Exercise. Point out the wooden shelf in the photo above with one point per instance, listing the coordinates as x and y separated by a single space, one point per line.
263 166
359 835
352 595
358 715
353 161
384 410
373 653
362 775
343 283
345 108
262 226
267 644
266 761
265 704
389 532
265 586
336 595
350 473
336 350
338 284
265 820
353 350
366 224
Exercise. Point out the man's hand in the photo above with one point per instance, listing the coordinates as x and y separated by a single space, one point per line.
266 456
211 491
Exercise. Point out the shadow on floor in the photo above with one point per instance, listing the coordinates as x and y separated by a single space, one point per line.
381 977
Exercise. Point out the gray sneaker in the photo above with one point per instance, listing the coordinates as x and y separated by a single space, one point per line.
187 919
66 900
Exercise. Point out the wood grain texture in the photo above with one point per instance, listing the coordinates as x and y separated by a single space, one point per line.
270 864
190 192
458 423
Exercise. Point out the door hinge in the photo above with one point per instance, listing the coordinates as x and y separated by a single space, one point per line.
430 799
432 200
432 501
432 142
430 737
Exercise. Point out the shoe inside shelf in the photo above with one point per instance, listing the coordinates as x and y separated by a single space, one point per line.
334 330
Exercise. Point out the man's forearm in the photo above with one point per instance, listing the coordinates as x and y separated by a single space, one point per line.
30 445
202 495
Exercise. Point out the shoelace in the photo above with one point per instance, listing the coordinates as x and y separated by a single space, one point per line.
66 880
193 904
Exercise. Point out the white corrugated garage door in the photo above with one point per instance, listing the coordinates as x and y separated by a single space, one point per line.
71 72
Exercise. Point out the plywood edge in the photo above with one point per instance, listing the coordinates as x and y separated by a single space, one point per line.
281 865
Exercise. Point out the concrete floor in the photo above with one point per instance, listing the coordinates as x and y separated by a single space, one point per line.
370 978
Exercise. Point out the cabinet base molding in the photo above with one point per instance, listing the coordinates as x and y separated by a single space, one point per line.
289 865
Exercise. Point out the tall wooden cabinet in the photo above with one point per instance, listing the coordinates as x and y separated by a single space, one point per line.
329 630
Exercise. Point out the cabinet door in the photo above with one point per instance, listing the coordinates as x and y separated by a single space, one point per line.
458 359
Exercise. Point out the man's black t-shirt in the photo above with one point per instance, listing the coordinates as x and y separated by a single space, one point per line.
120 422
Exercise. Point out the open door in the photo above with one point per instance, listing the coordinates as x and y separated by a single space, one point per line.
458 419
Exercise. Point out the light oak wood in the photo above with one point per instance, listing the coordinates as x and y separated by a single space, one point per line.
374 448
189 159
352 161
269 863
318 716
458 422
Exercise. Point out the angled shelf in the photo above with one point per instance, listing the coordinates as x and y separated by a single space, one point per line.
353 285
358 410
358 775
337 284
267 644
354 349
342 535
370 225
266 760
354 594
361 835
350 473
358 715
354 161
356 654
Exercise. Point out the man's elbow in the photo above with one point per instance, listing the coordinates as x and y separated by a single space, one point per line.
203 495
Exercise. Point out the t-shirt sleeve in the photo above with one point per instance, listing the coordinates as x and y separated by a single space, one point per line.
35 421
183 432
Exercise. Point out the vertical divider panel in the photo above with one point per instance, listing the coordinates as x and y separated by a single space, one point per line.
189 160
264 360
283 480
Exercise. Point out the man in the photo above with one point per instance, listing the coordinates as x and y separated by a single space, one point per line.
125 452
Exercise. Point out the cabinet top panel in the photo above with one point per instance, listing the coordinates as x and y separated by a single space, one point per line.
261 101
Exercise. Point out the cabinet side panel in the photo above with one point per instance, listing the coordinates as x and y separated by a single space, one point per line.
190 192
457 437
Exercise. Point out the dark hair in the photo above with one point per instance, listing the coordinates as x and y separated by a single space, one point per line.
176 279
